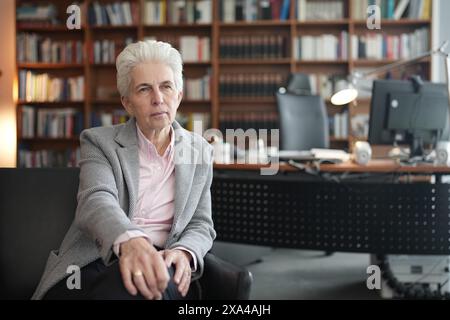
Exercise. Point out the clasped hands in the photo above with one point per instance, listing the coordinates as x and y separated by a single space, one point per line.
144 269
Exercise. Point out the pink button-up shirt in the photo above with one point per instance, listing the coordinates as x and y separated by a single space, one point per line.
155 205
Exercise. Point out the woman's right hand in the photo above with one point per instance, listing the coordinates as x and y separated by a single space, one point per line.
143 269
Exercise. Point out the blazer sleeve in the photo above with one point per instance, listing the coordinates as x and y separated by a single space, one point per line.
199 234
99 214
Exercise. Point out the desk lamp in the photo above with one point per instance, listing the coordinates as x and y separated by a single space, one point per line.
350 93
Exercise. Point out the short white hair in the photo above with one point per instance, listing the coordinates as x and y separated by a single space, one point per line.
146 51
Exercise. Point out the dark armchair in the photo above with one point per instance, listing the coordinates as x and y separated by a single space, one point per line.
37 208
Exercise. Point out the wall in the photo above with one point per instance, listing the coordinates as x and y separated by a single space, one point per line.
7 68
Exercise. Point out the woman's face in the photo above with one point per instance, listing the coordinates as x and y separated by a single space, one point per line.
153 99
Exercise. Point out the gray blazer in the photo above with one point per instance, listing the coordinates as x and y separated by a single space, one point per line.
107 198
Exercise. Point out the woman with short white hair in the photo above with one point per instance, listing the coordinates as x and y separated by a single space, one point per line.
143 222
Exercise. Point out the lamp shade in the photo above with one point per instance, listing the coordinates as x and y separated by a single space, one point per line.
344 96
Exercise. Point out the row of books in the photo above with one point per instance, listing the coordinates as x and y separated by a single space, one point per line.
192 48
323 47
41 87
106 51
195 49
115 14
248 120
50 123
394 9
325 85
197 89
36 12
338 125
360 125
32 47
177 11
49 158
197 122
319 10
249 84
379 46
255 46
108 118
250 10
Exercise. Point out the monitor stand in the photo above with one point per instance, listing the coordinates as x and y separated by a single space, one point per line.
398 153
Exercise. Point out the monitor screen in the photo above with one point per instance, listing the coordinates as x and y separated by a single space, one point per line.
402 112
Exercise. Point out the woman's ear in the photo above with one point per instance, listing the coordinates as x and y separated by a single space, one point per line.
127 105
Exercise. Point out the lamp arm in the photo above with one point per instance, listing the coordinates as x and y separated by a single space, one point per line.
447 75
402 63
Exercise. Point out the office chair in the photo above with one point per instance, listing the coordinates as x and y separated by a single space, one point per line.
298 83
303 121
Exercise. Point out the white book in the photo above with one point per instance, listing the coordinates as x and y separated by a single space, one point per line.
189 48
337 126
204 7
400 10
228 11
106 119
126 10
111 15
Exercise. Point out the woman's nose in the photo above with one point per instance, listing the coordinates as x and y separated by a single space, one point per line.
157 97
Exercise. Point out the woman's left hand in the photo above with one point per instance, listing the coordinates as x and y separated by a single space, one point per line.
181 261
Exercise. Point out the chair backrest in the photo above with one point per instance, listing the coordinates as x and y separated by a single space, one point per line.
303 121
298 83
37 207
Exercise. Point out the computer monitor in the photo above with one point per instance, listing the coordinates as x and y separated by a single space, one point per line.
409 112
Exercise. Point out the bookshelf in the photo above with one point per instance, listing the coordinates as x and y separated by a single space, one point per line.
244 50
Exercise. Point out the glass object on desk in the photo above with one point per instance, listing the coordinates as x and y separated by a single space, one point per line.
257 153
221 152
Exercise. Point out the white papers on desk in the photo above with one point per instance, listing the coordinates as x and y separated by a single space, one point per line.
333 155
299 155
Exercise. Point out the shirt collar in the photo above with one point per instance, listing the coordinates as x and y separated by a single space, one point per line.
148 148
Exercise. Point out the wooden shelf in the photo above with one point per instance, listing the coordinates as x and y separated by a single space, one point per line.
261 23
323 23
370 62
66 104
102 65
179 26
114 28
402 22
319 62
190 101
50 28
103 102
39 65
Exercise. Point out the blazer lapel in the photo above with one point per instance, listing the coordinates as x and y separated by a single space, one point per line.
129 159
185 158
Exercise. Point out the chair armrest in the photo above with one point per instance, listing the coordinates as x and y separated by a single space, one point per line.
223 280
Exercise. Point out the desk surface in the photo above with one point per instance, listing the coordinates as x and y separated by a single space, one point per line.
375 166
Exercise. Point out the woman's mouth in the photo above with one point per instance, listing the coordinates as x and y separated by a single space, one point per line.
158 114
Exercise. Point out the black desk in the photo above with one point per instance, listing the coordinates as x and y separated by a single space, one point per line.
377 211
